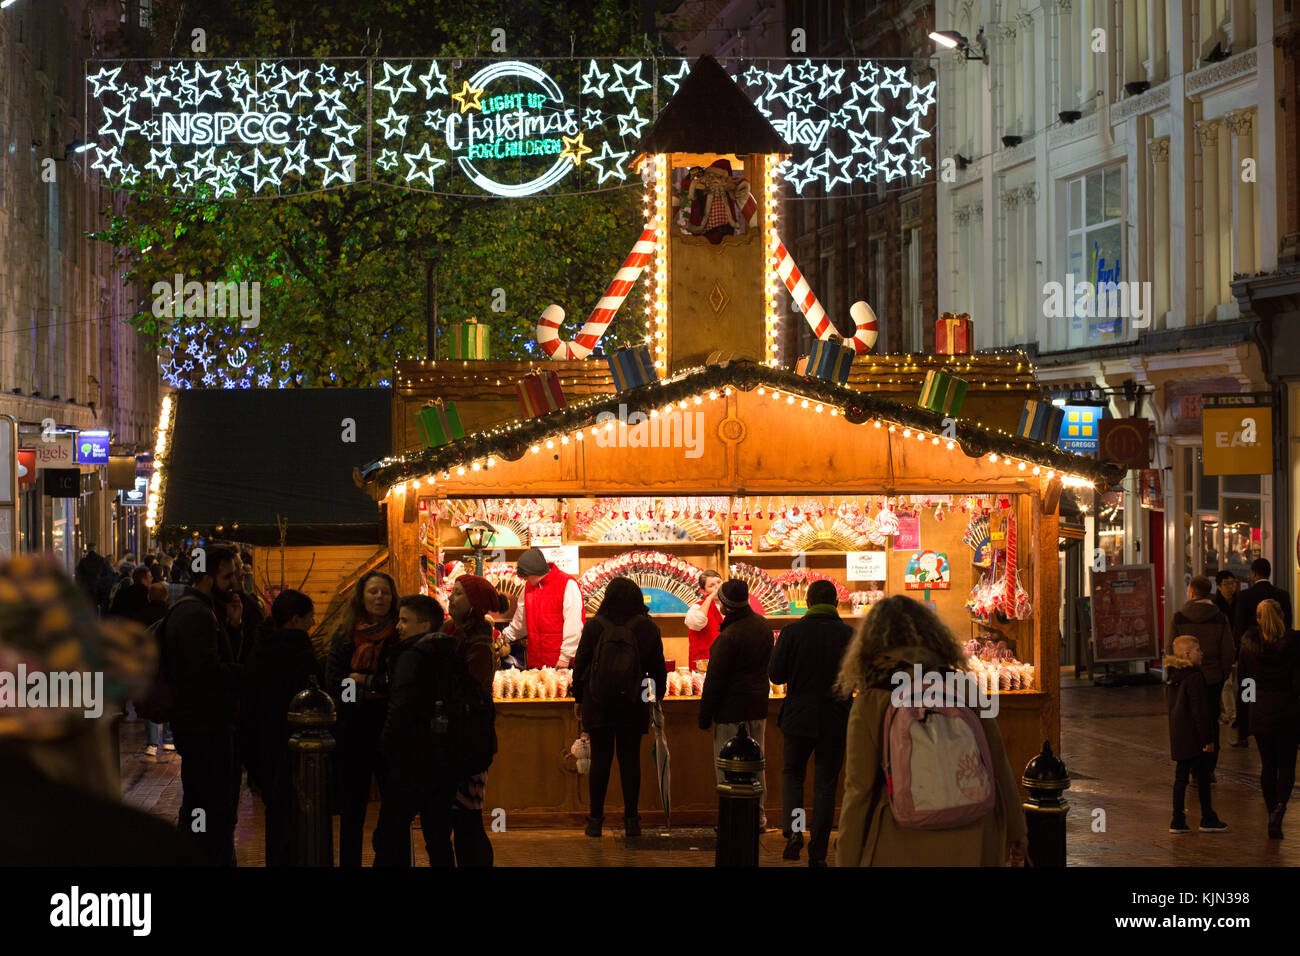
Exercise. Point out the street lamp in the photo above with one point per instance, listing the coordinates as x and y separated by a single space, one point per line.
952 40
479 533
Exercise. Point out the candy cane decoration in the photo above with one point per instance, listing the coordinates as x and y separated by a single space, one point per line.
864 319
548 326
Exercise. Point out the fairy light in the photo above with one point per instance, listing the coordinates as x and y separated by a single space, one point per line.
659 293
907 432
770 277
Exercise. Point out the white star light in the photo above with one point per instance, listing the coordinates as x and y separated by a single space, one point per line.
801 174
130 175
755 76
592 118
864 110
110 116
893 166
241 88
391 74
628 73
202 165
387 159
423 156
157 154
834 169
393 124
895 80
177 73
434 118
149 129
329 103
808 70
352 79
829 81
865 142
230 162
128 94
292 96
236 75
183 181
109 153
342 132
920 167
868 73
922 98
202 76
188 92
614 158
306 124
676 78
631 124
105 79
295 159
914 132
781 86
866 171
224 181
262 170
840 119
155 89
325 74
593 81
803 101
430 86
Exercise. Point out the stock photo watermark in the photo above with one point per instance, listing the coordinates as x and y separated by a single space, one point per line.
669 429
209 300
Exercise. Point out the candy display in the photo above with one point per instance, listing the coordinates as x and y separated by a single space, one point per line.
762 588
651 520
795 584
862 600
648 569
546 683
997 667
500 573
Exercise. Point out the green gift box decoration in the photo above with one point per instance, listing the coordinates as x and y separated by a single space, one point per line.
469 340
943 393
439 424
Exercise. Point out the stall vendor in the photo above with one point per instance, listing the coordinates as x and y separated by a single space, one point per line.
549 615
704 619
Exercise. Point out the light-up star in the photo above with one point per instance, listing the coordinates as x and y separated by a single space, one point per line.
593 81
149 129
103 154
840 119
808 70
113 116
268 101
157 154
177 73
387 159
868 73
835 169
325 74
393 124
429 161
386 84
574 148
329 103
628 73
295 159
435 81
262 170
866 171
755 76
920 167
893 166
864 102
202 165
187 93
865 141
342 132
236 75
922 98
130 175
155 89
908 133
592 118
212 79
184 182
434 118
468 98
761 105
306 124
352 79
230 162
828 81
801 174
804 101
128 94
609 163
676 78
631 124
292 96
241 89
782 86
342 174
224 181
105 79
895 80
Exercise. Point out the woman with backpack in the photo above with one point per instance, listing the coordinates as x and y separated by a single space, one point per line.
359 650
896 635
620 650
1270 656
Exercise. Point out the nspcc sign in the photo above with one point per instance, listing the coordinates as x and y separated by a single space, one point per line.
1237 440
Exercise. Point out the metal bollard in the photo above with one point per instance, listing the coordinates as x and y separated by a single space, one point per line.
1046 809
739 796
311 714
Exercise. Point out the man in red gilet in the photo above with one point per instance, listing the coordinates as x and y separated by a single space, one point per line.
550 613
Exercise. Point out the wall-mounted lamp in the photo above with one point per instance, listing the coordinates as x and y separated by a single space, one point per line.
1136 87
952 40
1012 140
1070 116
962 161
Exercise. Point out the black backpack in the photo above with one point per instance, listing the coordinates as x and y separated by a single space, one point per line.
462 734
616 671
159 704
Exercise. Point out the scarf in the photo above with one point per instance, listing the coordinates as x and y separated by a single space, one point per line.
831 610
368 640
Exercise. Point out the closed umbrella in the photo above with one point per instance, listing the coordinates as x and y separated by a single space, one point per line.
662 771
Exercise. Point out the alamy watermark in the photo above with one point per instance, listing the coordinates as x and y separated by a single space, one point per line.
209 300
58 690
922 688
1099 300
660 429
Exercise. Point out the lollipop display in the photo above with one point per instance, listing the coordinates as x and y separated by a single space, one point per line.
649 569
795 584
762 588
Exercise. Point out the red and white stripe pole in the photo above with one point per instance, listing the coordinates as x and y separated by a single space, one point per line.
866 328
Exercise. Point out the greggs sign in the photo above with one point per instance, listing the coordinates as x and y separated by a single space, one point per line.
1237 440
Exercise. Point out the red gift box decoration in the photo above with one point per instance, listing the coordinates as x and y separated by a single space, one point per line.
540 393
952 334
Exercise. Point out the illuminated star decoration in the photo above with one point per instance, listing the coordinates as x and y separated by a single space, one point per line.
261 170
329 103
342 132
386 84
149 129
352 79
109 153
292 96
614 159
306 125
202 76
431 87
387 159
922 98
829 81
631 123
574 148
393 124
344 163
155 89
755 76
295 159
105 79
468 98
130 175
920 167
593 118
325 74
241 86
224 181
895 81
621 84
201 166
801 174
868 73
856 103
593 81
865 141
893 166
835 169
109 129
676 78
188 93
909 126
423 156
434 118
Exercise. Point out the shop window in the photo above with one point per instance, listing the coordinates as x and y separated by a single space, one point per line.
1231 519
1094 249
1110 526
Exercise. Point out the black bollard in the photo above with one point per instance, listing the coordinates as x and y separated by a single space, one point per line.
1046 809
311 715
739 796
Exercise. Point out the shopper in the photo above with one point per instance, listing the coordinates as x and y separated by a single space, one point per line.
897 634
132 596
206 681
736 688
1225 594
548 617
618 672
814 718
250 615
472 599
705 618
89 570
155 610
415 783
1244 617
280 666
1201 618
1191 737
1270 657
358 654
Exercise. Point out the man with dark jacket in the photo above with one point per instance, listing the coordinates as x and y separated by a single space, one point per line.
1201 618
131 598
206 680
1248 601
813 718
1225 598
736 688
155 608
280 665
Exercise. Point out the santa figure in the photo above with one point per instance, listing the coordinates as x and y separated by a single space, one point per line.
714 200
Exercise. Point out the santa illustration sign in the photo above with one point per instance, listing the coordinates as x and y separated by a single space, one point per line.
927 571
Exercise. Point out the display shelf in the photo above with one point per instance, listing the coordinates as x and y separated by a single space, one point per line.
446 549
791 554
633 545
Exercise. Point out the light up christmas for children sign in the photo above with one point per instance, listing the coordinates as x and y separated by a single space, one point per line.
228 129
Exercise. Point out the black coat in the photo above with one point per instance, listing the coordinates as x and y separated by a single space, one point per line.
201 666
280 665
367 711
1275 668
650 649
402 742
1229 611
131 598
807 659
735 685
1189 709
1248 603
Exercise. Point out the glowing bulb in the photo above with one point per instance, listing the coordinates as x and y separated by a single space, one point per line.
535 449
549 443
993 458
460 469
907 433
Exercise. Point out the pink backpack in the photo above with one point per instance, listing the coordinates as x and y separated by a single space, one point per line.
938 771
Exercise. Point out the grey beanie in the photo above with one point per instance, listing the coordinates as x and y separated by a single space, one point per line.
533 561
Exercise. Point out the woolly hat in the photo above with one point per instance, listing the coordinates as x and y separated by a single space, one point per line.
734 594
483 597
533 561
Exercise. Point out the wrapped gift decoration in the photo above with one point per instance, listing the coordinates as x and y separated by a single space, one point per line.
828 360
943 393
540 393
439 424
469 340
953 334
1040 421
632 366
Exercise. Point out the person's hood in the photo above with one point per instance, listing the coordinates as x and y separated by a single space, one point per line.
1176 668
879 671
1200 610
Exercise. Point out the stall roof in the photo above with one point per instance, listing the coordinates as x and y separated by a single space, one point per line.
241 458
512 441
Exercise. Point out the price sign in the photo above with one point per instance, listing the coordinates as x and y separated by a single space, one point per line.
865 566
564 557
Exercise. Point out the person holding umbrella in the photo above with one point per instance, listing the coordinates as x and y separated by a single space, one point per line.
549 616
617 672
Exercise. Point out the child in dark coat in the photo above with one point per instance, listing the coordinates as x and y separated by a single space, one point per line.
1191 738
